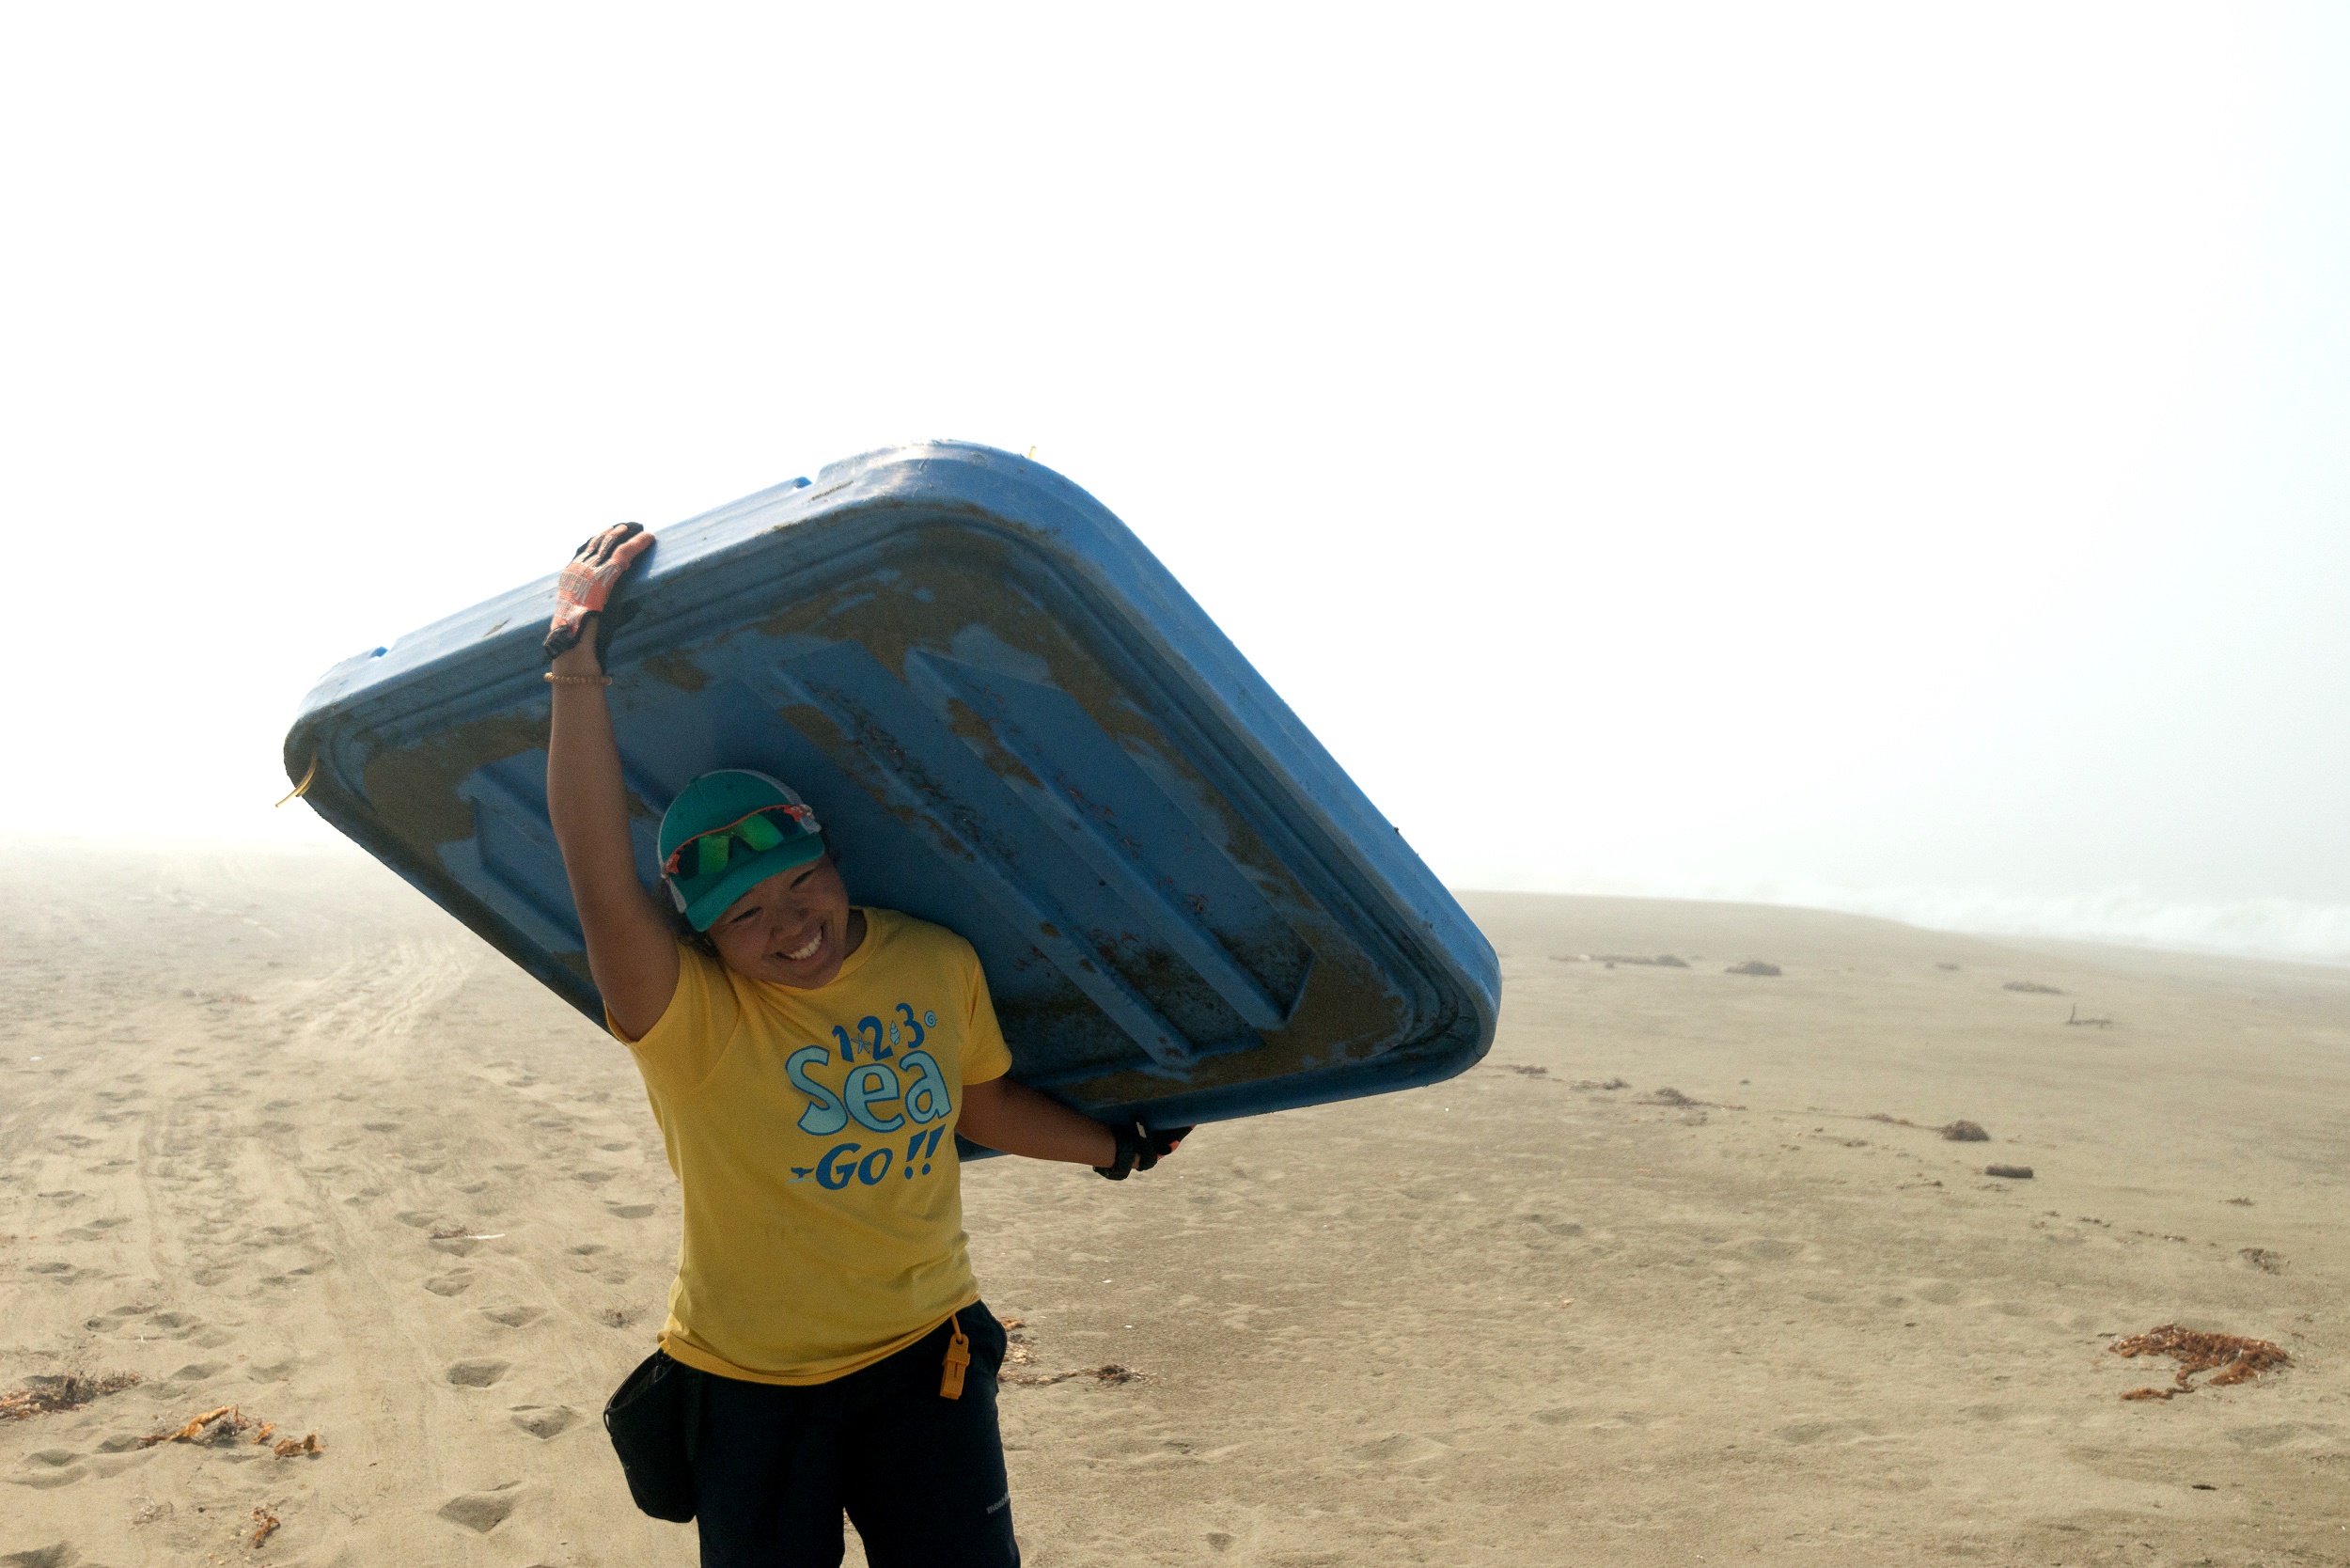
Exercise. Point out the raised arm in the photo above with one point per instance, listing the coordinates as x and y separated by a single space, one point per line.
631 953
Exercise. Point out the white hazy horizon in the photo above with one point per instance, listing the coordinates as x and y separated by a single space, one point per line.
2279 928
2274 929
1880 458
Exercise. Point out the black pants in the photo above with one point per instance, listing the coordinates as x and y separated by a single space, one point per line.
921 1477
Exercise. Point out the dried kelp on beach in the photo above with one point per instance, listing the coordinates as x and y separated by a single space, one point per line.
2236 1358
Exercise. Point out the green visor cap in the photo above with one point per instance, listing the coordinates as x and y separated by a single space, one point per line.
727 833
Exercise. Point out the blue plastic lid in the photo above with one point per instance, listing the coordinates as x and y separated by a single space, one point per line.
1011 721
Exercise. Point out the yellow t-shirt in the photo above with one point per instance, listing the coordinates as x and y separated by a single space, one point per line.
814 1134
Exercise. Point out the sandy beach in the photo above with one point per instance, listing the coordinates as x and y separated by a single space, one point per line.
1684 1272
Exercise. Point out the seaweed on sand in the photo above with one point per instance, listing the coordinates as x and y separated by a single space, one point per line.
2236 1358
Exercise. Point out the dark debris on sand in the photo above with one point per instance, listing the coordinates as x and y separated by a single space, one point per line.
1020 1352
1110 1371
42 1396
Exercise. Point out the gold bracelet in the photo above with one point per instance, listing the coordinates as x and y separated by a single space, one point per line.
554 680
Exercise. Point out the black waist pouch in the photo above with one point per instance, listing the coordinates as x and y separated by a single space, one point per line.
654 1418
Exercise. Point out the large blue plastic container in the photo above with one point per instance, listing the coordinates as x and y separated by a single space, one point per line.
1014 723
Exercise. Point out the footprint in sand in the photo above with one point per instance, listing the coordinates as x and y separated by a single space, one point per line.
1804 1434
62 1555
514 1317
630 1211
50 1468
593 1178
477 1374
1405 1449
543 1422
94 1230
482 1511
1553 1224
456 1283
2265 1437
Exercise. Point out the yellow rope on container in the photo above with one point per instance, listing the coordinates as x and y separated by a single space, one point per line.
300 788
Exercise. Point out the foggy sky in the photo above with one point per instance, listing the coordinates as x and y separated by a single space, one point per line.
1896 461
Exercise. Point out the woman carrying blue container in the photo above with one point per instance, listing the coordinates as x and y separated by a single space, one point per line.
809 1062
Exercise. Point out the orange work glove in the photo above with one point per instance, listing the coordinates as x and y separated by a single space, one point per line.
585 587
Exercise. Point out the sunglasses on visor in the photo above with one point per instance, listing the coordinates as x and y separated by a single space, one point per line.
708 854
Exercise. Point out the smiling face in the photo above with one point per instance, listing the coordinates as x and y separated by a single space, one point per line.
794 928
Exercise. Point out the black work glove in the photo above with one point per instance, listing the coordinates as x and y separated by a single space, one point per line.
1139 1148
